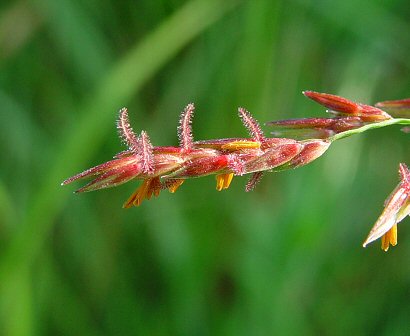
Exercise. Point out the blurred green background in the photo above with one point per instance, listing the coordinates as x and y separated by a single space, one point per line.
285 259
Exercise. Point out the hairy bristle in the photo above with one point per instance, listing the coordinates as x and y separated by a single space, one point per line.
251 124
185 127
126 132
146 152
253 181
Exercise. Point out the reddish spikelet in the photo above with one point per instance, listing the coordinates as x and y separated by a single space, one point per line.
372 114
251 124
273 157
185 127
126 132
397 108
103 168
321 128
302 123
346 106
202 166
339 124
398 104
253 181
311 150
111 178
146 152
333 102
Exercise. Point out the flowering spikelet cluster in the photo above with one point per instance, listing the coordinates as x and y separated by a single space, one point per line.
296 142
168 167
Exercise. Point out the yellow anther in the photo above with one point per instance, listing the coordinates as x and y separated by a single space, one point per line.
393 237
389 238
228 180
219 182
157 191
136 197
175 185
223 181
130 200
148 188
238 145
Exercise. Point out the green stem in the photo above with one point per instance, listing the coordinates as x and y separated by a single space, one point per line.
397 121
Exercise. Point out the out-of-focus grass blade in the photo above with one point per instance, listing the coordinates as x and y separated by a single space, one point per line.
7 211
388 34
77 37
69 305
28 24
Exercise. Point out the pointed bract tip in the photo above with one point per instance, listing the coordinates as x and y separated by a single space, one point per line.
373 236
368 241
68 181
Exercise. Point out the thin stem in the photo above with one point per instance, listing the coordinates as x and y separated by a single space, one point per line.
397 121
